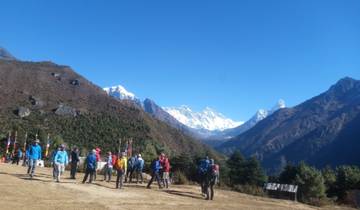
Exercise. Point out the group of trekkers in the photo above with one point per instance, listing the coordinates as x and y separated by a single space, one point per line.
125 168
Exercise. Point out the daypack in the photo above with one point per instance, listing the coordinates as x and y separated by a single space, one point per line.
215 169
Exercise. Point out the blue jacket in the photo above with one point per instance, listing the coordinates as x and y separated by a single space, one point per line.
156 166
91 161
139 164
131 163
61 157
19 153
35 152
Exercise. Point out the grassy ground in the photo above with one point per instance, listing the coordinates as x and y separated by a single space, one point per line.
19 192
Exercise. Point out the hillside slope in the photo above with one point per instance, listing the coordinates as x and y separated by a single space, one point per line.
320 131
46 98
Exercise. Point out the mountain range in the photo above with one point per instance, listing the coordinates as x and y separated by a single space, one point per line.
209 126
320 131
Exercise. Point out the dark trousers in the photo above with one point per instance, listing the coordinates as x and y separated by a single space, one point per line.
73 170
88 172
209 187
129 174
154 175
119 179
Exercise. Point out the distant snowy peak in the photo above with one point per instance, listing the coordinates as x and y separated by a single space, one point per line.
279 105
120 92
262 113
207 119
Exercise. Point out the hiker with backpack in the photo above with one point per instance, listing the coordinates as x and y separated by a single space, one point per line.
139 167
120 166
74 162
61 160
34 156
130 169
155 167
203 169
211 179
90 164
108 167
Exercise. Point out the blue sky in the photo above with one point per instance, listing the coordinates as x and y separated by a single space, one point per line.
234 56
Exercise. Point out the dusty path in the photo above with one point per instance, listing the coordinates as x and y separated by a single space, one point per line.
18 192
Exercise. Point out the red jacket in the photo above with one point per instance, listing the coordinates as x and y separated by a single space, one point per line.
166 165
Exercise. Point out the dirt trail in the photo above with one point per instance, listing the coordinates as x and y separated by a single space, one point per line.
19 192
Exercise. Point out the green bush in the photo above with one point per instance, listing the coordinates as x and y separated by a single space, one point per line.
179 178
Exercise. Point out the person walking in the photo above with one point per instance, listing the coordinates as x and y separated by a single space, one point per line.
203 169
108 167
17 156
211 179
98 159
166 172
139 167
34 156
74 162
90 164
130 169
53 162
120 166
61 160
155 167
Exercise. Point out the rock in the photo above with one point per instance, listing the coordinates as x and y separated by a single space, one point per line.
75 82
55 74
23 112
65 110
35 101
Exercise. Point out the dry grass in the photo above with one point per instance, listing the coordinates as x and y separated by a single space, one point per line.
18 192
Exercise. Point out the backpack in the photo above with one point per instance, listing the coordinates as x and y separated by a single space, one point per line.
204 166
215 169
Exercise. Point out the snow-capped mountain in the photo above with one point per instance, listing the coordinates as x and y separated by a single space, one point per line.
259 115
120 92
208 119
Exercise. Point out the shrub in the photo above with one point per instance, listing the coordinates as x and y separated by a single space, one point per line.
179 178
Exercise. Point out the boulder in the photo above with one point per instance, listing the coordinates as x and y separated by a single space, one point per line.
23 112
35 101
65 110
75 82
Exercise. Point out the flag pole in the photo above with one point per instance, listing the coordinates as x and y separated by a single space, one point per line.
8 143
14 148
47 145
119 146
